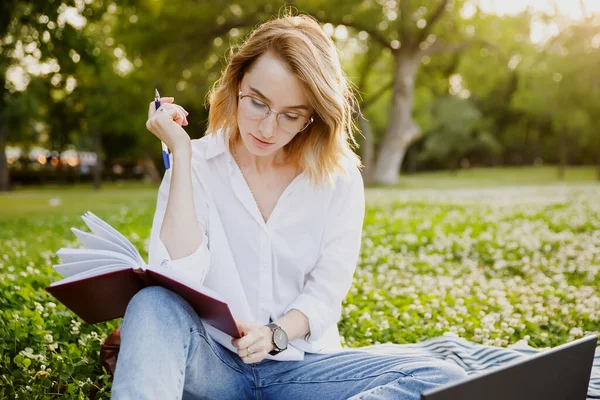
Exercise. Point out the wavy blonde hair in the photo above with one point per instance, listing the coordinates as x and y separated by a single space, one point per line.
326 146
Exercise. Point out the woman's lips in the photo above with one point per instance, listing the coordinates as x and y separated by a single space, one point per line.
260 142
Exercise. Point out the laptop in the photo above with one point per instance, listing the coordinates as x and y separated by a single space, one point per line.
561 373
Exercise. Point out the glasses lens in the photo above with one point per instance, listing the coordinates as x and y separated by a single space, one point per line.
291 123
253 108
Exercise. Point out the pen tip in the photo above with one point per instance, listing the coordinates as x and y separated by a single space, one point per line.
156 92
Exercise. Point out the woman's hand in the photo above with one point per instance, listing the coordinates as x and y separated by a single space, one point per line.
255 343
166 123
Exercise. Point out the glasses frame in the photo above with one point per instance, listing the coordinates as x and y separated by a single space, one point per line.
277 113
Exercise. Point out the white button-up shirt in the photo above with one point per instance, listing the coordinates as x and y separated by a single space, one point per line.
303 258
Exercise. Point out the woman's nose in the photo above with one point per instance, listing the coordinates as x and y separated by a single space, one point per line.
268 126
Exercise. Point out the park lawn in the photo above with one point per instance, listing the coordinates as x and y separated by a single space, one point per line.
79 198
495 177
493 265
73 199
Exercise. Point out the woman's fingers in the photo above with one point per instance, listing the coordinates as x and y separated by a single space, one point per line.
252 346
163 100
252 336
183 113
179 117
181 109
253 357
177 112
246 327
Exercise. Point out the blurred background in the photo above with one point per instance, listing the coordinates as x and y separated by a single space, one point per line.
444 86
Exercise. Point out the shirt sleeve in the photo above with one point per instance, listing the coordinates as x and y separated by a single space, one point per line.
194 266
329 281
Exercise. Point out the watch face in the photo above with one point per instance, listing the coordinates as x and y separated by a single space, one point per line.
280 339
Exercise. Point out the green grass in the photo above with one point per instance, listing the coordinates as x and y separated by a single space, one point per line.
494 265
495 177
82 197
73 199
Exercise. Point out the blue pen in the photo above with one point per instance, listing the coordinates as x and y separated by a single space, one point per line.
165 149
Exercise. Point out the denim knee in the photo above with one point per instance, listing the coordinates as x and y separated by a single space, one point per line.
449 372
437 371
156 304
153 298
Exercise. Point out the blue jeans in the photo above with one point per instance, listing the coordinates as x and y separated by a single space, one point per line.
166 354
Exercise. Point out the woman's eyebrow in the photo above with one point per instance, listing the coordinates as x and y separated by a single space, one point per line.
301 106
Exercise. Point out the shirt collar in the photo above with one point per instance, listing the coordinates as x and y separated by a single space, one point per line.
216 145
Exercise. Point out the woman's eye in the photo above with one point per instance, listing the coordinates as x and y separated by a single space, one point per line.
291 117
258 104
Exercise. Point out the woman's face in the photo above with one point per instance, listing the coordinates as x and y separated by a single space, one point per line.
270 84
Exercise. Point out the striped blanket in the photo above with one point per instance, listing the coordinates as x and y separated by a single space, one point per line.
476 358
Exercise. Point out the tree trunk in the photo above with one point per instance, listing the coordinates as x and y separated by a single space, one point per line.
527 159
367 149
401 130
411 161
99 167
4 175
563 156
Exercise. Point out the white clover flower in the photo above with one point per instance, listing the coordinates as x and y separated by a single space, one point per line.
576 332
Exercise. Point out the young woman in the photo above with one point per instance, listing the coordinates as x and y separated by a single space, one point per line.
278 169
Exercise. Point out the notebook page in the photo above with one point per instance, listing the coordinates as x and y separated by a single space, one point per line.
73 255
72 268
91 241
104 230
105 234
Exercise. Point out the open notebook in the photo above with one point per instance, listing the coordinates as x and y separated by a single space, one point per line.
101 278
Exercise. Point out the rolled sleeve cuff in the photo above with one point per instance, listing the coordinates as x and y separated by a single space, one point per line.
195 266
312 308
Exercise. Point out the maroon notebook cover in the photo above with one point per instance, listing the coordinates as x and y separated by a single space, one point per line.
104 297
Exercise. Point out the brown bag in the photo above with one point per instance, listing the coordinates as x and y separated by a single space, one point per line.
109 351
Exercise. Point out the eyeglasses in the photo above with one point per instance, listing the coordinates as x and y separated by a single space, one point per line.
256 110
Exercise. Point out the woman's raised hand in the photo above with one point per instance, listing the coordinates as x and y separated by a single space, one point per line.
166 123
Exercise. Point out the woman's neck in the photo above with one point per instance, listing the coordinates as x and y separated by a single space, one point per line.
260 164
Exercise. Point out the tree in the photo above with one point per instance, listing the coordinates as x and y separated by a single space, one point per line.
561 90
410 31
39 32
459 129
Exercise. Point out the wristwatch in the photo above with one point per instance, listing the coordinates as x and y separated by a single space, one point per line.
280 339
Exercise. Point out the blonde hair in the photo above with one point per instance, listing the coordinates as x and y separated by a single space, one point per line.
326 146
